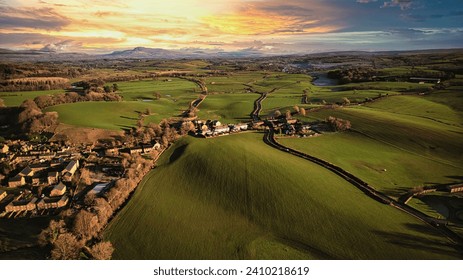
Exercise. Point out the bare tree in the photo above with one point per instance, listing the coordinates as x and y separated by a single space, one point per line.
66 247
89 198
2 103
102 250
85 176
345 101
85 225
288 114
302 112
277 113
296 108
50 234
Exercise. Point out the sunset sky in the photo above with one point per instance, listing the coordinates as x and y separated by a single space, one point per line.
271 26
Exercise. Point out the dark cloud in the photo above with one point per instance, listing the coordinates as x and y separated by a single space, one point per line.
43 18
403 4
289 10
15 39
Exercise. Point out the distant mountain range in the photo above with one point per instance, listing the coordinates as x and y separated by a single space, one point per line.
158 53
136 53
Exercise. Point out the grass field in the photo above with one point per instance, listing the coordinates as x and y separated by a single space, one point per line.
17 97
416 140
411 132
176 96
111 115
175 90
260 203
228 108
368 158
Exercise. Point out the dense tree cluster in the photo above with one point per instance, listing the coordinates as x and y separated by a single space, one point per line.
32 120
30 84
23 70
338 124
44 101
354 75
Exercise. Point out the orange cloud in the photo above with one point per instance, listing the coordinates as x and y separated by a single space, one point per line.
264 18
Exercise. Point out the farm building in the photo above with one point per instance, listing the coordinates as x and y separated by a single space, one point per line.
52 177
2 195
99 188
21 205
58 190
16 181
241 126
52 202
455 188
221 129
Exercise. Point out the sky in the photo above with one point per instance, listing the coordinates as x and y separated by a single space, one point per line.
268 26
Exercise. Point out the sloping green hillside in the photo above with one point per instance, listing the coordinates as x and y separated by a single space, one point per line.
236 198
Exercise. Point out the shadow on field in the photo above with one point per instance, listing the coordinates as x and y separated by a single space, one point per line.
178 152
456 177
397 192
420 243
129 118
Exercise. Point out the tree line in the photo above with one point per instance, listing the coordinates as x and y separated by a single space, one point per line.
34 84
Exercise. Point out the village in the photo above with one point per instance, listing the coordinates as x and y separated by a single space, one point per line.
46 178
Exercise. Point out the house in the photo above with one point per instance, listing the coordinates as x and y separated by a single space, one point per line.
150 147
52 202
26 172
2 195
156 145
455 188
241 126
4 149
39 167
112 151
16 181
21 205
136 150
47 156
52 177
58 190
36 180
71 168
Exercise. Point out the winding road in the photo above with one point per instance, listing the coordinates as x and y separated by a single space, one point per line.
269 139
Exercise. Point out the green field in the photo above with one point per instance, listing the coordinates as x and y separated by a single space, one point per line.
17 97
111 115
397 144
260 203
228 108
176 96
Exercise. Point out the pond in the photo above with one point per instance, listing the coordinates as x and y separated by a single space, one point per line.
322 80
